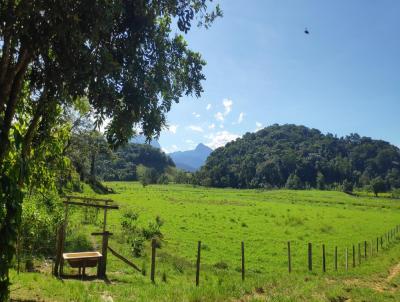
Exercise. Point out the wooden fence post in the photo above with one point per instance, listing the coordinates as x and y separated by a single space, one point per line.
102 268
381 242
354 256
198 264
153 259
310 257
336 258
323 259
347 259
365 249
289 258
243 268
359 253
377 244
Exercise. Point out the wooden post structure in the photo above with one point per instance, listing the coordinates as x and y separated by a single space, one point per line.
336 258
58 257
381 242
198 263
365 249
323 259
60 271
347 259
153 260
84 201
102 266
310 257
359 253
354 256
377 244
289 258
243 267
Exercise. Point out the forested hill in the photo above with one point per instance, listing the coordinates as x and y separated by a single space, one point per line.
300 157
123 164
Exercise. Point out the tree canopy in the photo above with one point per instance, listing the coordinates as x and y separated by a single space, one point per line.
120 55
299 157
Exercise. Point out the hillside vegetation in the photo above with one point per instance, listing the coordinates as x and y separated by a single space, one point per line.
299 157
123 163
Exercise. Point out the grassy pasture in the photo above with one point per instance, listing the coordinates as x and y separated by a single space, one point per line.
221 219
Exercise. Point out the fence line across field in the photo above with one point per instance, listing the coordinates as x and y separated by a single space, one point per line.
359 254
333 256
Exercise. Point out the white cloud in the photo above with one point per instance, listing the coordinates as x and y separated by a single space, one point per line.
171 149
258 126
208 107
196 128
240 118
212 126
190 144
221 126
173 128
227 105
196 114
219 116
220 139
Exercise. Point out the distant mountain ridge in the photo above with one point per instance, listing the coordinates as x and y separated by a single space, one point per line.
191 160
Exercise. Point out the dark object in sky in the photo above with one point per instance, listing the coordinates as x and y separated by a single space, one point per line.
306 31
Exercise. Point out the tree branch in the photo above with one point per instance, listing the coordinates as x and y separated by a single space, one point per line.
11 106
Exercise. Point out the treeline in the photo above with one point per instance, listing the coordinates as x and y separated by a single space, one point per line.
297 157
94 161
125 163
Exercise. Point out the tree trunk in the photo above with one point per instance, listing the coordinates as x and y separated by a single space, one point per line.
12 198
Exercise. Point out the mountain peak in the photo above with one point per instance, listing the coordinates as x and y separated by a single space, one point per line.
191 160
202 147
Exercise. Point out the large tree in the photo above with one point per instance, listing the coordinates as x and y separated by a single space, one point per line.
122 55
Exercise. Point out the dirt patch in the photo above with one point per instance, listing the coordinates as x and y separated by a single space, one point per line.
384 285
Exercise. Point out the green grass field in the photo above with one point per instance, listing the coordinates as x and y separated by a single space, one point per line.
222 219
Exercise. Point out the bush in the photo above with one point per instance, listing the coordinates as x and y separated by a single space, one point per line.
136 236
378 185
294 182
347 186
150 176
163 179
39 221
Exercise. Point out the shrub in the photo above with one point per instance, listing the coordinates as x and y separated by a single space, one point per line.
136 236
163 179
294 182
378 185
40 217
347 186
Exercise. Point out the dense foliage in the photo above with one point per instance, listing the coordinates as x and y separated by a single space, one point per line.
121 55
123 164
299 157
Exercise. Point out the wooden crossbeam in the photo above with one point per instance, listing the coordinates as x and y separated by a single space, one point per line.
102 233
111 207
88 198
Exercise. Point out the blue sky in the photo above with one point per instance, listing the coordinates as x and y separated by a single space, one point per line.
262 69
